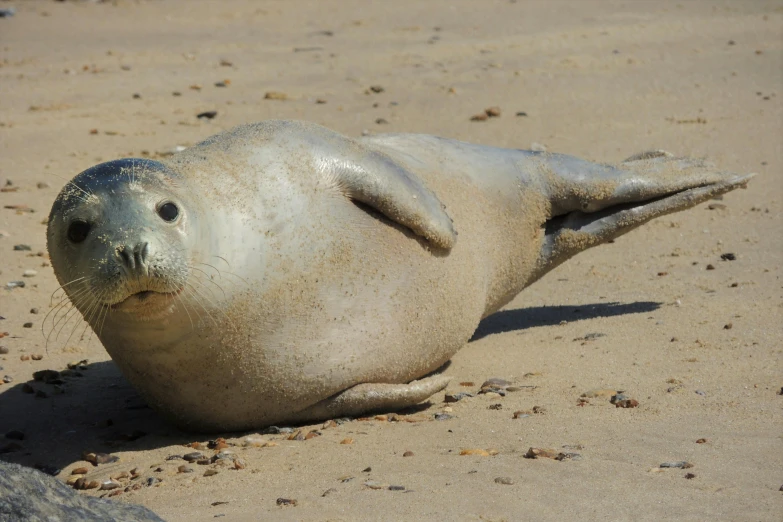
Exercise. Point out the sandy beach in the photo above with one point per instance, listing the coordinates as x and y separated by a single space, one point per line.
664 314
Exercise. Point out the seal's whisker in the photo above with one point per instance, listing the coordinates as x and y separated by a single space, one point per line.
200 299
86 315
73 301
68 316
62 287
207 291
182 283
209 278
85 195
226 272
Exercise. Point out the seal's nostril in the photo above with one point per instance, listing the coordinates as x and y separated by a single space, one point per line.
141 252
125 257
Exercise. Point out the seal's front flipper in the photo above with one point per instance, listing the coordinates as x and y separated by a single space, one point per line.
376 180
373 397
592 204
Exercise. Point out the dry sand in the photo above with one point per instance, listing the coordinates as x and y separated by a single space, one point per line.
601 80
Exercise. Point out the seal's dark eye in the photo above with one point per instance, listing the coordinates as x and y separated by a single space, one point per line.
168 211
78 230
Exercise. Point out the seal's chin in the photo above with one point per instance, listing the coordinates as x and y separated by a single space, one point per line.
148 304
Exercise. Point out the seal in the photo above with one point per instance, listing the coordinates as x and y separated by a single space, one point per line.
280 272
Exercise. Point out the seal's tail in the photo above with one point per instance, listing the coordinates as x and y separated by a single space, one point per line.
592 203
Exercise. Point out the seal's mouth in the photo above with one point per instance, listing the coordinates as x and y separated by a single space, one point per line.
146 298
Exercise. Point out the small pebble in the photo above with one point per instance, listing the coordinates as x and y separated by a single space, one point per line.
286 502
443 416
728 256
604 392
506 481
22 248
627 403
33 310
728 326
492 112
151 481
15 284
346 441
479 452
210 472
35 356
701 441
373 484
690 476
407 454
681 465
396 488
80 471
377 89
192 457
276 95
109 485
539 453
206 115
455 397
299 435
620 396
521 113
4 350
710 267
239 464
29 273
699 392
7 379
479 117
28 325
184 469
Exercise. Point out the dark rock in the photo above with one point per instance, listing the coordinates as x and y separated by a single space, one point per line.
27 494
680 464
455 397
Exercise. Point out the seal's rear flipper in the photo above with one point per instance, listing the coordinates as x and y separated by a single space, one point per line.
592 204
373 397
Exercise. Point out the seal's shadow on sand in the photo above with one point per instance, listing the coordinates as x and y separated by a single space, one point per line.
524 318
101 412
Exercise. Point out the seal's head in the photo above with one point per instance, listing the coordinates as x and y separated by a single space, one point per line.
118 238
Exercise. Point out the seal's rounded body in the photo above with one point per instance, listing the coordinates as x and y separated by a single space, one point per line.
308 275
